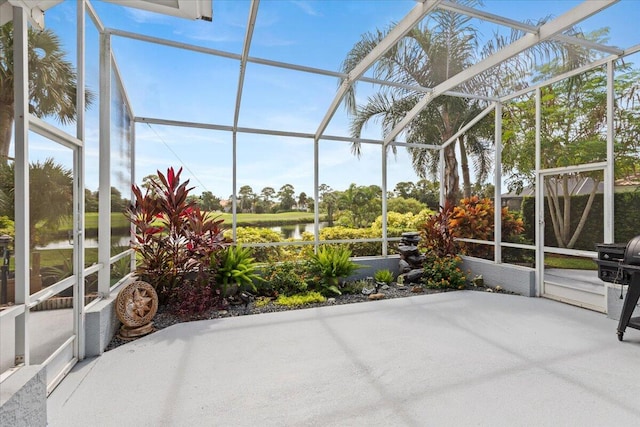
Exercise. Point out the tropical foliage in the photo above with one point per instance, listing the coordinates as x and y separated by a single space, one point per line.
329 265
50 198
235 265
474 218
428 55
174 239
52 82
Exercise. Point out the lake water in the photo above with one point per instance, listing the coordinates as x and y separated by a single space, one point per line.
293 231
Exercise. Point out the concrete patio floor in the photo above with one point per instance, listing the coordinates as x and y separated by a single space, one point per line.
454 359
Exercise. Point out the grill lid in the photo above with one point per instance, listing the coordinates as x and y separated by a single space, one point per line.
632 253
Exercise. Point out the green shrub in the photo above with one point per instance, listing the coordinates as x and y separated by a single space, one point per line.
403 206
443 273
330 264
259 235
300 299
355 287
385 276
285 278
7 226
357 248
262 301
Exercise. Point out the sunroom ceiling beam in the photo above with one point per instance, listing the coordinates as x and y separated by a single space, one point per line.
279 64
546 31
528 28
595 64
400 30
469 125
253 13
258 131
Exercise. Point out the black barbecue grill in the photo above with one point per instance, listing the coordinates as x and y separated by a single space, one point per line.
620 263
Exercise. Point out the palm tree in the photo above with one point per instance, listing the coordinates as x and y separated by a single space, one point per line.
52 82
428 55
51 198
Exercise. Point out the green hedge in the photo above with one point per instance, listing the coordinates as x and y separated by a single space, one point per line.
626 215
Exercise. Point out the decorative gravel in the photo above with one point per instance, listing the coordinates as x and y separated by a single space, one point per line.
164 318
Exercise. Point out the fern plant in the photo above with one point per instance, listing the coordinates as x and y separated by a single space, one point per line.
330 264
236 266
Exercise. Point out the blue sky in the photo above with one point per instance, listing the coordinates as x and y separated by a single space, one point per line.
167 83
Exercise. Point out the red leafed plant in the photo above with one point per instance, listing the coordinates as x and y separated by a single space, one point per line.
474 218
174 239
437 238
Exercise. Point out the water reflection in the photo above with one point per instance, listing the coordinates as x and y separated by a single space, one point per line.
294 231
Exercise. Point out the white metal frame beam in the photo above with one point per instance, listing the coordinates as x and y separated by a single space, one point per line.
261 131
468 126
528 28
600 62
400 30
546 31
253 13
278 64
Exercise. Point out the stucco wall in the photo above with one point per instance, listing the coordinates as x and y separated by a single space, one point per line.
23 398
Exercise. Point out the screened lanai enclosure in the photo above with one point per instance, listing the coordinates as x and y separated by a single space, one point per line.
339 110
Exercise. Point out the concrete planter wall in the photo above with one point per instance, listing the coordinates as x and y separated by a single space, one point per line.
101 323
369 266
513 278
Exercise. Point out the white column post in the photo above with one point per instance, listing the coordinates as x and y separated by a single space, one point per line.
441 168
104 200
385 241
234 181
609 172
79 175
21 192
497 203
539 218
316 194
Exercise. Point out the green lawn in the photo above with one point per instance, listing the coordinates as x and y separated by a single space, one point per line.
560 261
284 218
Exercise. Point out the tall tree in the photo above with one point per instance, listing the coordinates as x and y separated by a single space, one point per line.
286 196
52 82
209 202
246 198
267 193
428 55
328 201
363 204
302 201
